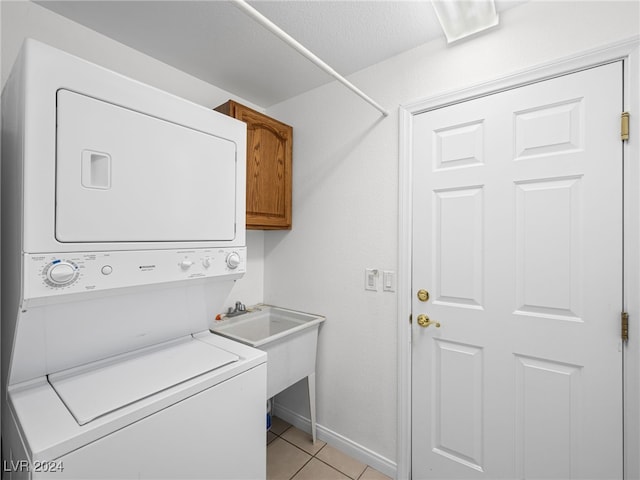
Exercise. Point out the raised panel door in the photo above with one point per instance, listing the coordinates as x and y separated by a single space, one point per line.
517 235
269 163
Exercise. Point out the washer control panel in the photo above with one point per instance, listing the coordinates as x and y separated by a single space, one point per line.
53 274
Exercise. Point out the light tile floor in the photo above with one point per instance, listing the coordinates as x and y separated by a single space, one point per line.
291 455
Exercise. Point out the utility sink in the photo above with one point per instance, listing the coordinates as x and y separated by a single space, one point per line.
289 338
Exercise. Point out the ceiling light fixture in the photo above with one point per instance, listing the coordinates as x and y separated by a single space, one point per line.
462 18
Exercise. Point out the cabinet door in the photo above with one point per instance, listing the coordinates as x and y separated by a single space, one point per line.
269 153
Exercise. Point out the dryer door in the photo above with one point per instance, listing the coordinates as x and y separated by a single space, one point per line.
123 176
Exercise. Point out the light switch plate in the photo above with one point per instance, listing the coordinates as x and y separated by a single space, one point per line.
371 279
389 281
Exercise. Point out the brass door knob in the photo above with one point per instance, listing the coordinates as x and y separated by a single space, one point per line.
423 295
424 321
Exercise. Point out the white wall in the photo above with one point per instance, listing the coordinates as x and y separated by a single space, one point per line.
345 202
21 19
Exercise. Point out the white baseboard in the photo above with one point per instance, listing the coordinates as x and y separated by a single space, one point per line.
349 447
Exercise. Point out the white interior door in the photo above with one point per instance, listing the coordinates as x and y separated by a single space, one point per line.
517 237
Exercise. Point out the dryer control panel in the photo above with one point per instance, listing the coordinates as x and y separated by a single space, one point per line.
48 275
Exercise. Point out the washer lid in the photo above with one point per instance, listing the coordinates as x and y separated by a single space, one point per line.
90 392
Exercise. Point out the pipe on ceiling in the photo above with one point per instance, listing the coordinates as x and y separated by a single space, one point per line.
292 42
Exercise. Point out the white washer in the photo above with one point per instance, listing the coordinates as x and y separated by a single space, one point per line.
122 236
156 413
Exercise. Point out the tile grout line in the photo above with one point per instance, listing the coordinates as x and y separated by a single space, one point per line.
300 469
314 455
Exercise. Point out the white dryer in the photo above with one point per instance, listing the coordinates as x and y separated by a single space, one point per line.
122 235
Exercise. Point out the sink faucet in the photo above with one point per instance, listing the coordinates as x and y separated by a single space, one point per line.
239 310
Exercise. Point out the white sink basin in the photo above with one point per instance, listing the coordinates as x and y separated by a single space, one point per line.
289 338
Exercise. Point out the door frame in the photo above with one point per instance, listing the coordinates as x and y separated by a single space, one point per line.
627 50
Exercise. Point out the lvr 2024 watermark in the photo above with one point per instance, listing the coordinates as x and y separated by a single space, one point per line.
35 467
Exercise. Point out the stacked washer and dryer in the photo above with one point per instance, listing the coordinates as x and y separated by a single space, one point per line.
122 235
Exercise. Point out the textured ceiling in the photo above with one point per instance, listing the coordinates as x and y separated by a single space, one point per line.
218 43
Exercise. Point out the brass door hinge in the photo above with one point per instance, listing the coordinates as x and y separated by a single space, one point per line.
624 126
624 326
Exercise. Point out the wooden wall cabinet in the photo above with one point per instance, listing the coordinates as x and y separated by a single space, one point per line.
269 153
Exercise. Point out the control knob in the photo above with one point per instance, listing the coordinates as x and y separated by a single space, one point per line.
61 273
186 264
233 260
